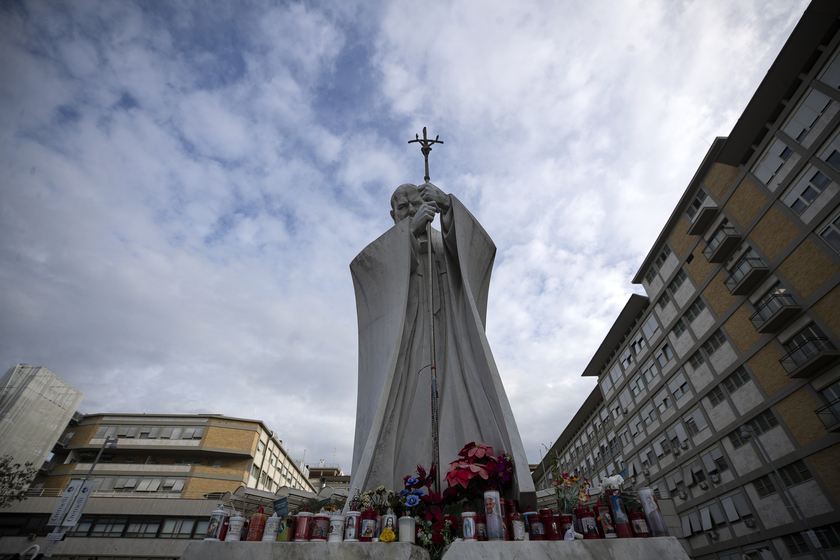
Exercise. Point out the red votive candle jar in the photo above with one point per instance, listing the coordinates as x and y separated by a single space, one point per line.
638 524
588 527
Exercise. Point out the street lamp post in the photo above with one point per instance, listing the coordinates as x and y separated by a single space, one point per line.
748 432
71 508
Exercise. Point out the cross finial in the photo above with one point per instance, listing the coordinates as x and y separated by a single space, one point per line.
426 147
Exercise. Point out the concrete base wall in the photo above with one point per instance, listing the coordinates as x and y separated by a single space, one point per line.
612 549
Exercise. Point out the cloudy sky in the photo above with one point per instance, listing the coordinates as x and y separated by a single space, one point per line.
184 184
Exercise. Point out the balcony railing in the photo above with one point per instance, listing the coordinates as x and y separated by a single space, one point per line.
830 415
809 357
774 313
723 243
703 219
746 275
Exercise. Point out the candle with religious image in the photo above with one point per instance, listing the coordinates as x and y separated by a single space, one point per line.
493 514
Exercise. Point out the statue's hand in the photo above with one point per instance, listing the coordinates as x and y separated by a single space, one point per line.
430 193
424 215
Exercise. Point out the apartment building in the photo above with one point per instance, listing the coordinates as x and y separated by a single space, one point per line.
729 371
35 407
156 486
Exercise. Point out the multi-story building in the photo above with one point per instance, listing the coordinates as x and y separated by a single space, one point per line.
165 475
333 477
35 407
729 370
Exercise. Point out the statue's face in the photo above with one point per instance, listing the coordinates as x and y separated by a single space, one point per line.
406 203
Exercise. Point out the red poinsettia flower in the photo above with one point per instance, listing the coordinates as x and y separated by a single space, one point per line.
473 451
437 538
453 520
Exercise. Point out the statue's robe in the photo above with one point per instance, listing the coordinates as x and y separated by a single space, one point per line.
393 413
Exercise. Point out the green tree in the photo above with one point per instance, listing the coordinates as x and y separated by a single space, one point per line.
14 480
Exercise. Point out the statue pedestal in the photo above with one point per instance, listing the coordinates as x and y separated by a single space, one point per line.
604 549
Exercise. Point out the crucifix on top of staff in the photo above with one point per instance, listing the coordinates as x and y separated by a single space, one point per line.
425 148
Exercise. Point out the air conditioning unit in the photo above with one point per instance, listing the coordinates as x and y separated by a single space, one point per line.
646 472
712 535
676 451
704 485
715 478
683 496
624 410
750 522
684 445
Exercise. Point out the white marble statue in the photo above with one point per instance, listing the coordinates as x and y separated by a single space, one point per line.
393 414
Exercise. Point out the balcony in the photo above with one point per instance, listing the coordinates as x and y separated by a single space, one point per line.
830 416
774 313
724 242
704 218
810 357
746 275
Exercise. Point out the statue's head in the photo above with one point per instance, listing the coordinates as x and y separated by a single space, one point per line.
405 202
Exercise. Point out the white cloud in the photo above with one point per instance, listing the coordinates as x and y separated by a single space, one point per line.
185 186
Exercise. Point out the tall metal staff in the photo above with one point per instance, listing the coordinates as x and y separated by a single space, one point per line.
425 148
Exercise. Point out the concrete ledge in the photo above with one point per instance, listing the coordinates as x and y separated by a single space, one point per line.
612 549
210 550
602 549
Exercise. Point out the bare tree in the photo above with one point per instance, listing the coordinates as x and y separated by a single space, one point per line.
14 480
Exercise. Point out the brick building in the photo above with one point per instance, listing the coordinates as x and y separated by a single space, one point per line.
735 348
165 475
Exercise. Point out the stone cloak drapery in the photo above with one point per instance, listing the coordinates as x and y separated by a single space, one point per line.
393 414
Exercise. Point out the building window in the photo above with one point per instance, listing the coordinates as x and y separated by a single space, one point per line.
694 310
627 359
696 204
650 327
829 536
831 154
714 342
177 528
143 528
664 300
255 471
736 380
663 256
637 385
678 385
764 422
772 161
679 328
662 401
696 360
806 190
764 486
714 461
651 274
716 396
807 115
638 343
650 371
795 473
664 355
217 463
831 233
795 544
695 422
108 526
678 281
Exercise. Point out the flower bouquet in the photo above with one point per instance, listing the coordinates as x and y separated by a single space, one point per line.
435 536
570 491
477 470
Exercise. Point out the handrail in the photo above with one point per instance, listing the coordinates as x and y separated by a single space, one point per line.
805 351
769 307
830 412
753 262
714 242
